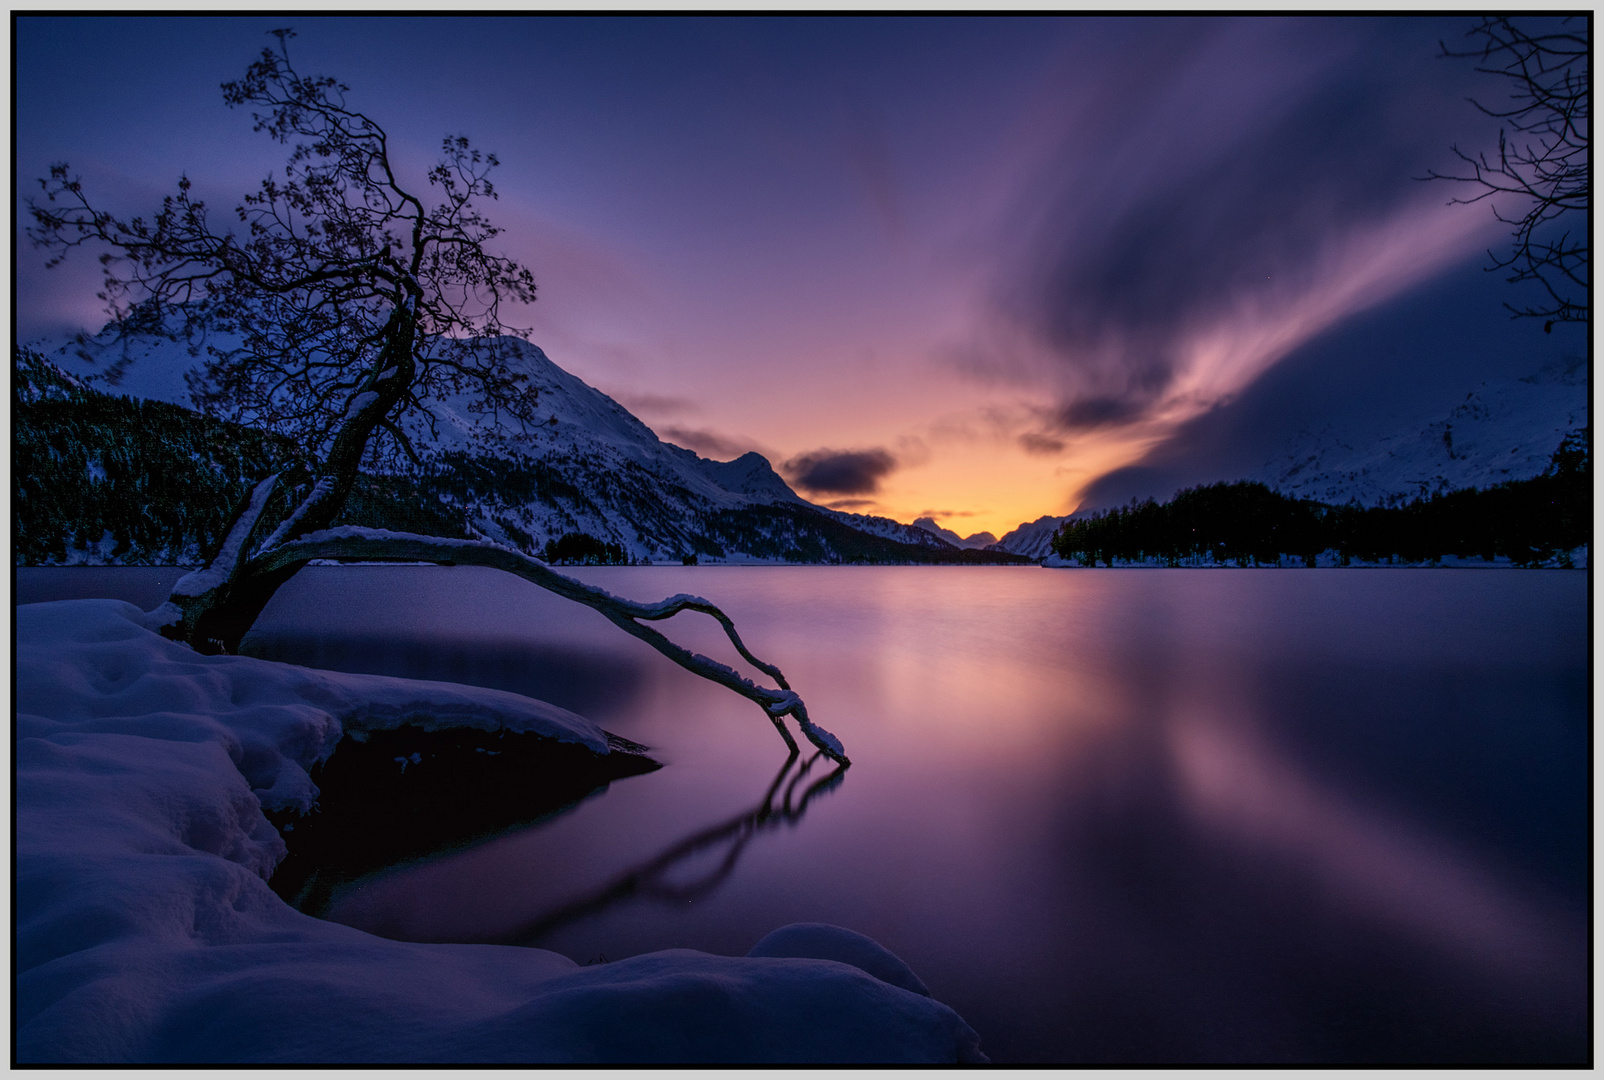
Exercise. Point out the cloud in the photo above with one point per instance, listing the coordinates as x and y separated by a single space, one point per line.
708 443
1222 194
654 404
853 505
911 451
840 472
869 152
1391 368
1041 445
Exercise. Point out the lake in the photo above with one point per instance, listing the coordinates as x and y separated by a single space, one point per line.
1109 816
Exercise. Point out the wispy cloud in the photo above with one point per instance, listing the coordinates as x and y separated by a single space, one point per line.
707 442
1235 189
869 153
650 405
1045 445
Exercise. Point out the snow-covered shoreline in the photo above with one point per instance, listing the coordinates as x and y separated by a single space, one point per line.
1575 559
146 931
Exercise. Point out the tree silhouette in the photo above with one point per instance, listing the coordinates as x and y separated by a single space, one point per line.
1542 161
342 301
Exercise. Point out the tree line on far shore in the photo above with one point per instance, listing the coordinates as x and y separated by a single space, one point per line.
1530 522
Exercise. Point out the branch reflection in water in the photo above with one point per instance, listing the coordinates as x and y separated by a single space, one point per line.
652 879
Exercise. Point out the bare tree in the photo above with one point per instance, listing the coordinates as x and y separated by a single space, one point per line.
347 302
1541 166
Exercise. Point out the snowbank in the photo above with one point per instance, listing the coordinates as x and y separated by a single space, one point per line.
146 932
1574 559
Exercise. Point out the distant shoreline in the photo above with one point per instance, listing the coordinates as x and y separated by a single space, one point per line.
1578 557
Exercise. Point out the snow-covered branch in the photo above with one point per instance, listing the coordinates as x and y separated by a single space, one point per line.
358 543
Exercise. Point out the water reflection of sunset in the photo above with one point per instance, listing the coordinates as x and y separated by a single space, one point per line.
1117 815
1375 862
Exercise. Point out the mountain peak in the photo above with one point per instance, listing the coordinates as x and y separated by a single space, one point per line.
749 474
1033 538
585 464
974 540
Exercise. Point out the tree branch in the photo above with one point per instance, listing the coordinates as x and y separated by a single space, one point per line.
1543 156
358 543
200 590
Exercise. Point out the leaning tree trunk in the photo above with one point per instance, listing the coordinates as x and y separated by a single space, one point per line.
219 605
193 598
212 609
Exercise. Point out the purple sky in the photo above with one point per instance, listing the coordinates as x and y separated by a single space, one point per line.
968 268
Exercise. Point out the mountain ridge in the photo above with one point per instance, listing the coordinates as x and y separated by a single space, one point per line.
1504 429
585 465
589 465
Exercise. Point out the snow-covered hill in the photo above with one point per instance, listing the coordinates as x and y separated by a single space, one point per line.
583 433
585 465
1505 429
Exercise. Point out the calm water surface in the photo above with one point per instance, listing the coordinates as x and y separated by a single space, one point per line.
1107 815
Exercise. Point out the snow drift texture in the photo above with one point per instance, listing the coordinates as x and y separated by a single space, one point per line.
146 932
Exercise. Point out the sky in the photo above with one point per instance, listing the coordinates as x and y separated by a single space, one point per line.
980 270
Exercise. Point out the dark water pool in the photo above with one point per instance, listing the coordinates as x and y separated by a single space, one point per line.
1139 816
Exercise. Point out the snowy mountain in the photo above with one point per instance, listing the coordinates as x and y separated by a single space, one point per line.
974 541
1033 539
1505 429
586 465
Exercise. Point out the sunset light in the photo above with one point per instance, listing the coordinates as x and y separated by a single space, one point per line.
734 541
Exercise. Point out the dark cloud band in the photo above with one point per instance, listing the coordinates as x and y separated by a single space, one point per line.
840 472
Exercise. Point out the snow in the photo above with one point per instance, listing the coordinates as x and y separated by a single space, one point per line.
1574 559
153 368
889 529
320 491
826 942
200 582
974 541
818 734
654 501
145 930
1505 429
1033 539
750 474
578 432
